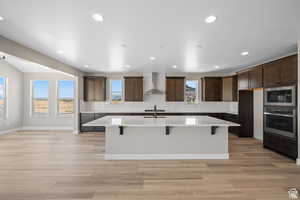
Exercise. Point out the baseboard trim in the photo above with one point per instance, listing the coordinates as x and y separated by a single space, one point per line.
165 156
9 131
41 128
298 161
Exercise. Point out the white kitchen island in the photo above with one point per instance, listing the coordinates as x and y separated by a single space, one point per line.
172 137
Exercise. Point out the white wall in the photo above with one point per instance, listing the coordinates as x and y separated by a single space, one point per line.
15 96
258 108
53 121
150 100
298 160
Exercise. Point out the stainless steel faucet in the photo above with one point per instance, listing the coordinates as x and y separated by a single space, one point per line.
155 111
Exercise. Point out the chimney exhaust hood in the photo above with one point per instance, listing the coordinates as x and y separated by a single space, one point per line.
153 83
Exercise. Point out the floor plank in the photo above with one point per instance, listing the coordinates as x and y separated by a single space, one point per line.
62 166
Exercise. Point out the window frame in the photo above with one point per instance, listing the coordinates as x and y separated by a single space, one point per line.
32 113
57 100
110 90
5 98
197 91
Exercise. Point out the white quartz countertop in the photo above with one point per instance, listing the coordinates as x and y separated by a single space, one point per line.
229 112
140 121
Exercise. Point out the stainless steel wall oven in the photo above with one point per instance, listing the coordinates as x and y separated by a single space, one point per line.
281 120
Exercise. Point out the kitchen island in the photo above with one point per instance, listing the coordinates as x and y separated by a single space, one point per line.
168 137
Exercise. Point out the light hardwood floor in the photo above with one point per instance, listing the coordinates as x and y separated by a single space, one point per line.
62 166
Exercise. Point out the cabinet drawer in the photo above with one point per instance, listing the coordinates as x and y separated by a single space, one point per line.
281 144
86 117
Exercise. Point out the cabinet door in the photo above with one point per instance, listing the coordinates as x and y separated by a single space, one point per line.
174 88
271 73
289 70
179 89
134 89
85 118
139 89
170 89
213 89
234 88
89 89
243 80
255 77
100 89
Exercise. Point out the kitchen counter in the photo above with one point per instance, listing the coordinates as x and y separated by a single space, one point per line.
172 137
143 112
141 121
89 116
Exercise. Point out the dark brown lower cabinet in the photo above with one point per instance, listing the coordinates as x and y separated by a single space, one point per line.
281 144
88 117
231 118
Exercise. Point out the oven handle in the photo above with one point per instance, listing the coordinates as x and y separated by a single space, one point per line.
281 115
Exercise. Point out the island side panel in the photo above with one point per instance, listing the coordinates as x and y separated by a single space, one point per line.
144 143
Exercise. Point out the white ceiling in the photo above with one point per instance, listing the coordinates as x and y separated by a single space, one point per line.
26 66
170 30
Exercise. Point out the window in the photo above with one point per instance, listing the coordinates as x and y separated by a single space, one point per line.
40 97
65 97
116 91
2 98
191 91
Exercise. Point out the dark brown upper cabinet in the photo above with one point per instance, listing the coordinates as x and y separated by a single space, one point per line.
251 79
175 88
235 88
134 89
94 88
212 89
256 77
243 80
229 90
281 72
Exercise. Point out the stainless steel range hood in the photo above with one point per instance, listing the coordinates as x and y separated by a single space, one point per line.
153 83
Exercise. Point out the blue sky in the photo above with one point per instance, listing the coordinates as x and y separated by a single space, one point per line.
66 89
1 87
192 84
116 86
40 89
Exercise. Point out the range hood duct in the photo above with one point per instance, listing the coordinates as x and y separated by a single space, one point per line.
153 83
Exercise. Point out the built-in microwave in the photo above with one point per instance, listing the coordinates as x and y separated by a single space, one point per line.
280 96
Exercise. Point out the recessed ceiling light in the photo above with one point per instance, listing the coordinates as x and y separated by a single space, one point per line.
60 52
97 17
128 66
86 66
199 46
174 66
217 67
245 53
152 58
210 19
1 18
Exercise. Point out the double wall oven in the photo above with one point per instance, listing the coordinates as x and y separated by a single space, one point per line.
280 111
280 120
